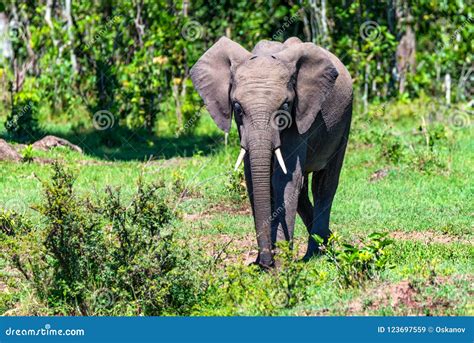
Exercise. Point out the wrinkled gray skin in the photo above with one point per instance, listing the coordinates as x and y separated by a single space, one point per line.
315 89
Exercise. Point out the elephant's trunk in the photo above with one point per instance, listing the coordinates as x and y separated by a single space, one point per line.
260 151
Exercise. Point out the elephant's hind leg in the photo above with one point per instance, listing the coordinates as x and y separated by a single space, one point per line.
324 186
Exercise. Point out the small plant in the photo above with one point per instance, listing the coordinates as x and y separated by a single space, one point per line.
236 186
12 223
357 264
27 153
391 148
178 183
291 277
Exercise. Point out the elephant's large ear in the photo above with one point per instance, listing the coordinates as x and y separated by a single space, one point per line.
315 78
211 75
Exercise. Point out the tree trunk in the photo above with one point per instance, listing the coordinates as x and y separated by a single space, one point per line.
6 51
68 13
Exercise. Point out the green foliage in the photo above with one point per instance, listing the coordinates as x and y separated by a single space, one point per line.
236 186
104 257
22 122
178 183
356 264
12 224
27 154
391 148
244 290
138 69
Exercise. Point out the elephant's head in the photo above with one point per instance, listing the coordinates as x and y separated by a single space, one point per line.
275 84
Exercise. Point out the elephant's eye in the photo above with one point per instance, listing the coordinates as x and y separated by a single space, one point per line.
285 107
237 108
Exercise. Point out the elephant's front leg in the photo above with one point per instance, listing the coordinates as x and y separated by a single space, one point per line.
286 190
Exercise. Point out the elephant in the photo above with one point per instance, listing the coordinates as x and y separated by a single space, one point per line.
292 105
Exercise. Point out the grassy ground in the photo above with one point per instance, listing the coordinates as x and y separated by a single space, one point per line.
401 176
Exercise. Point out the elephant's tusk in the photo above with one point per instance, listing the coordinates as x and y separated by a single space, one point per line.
240 158
280 160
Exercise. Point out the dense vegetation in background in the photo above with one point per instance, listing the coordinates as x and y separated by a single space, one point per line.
127 62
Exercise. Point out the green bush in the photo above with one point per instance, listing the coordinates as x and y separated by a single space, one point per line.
236 186
391 148
22 122
104 256
356 264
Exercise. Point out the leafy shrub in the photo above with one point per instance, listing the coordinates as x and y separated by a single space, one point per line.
236 186
22 121
391 148
178 183
357 264
430 144
105 256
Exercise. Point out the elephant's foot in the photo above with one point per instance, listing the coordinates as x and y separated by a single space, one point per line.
314 250
312 254
265 260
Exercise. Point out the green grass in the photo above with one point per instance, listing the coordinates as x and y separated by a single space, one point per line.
427 209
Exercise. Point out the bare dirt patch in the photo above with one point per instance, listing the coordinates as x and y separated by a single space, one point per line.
239 210
405 297
379 175
428 237
8 153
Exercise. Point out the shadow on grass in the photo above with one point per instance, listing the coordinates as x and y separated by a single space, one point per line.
124 144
